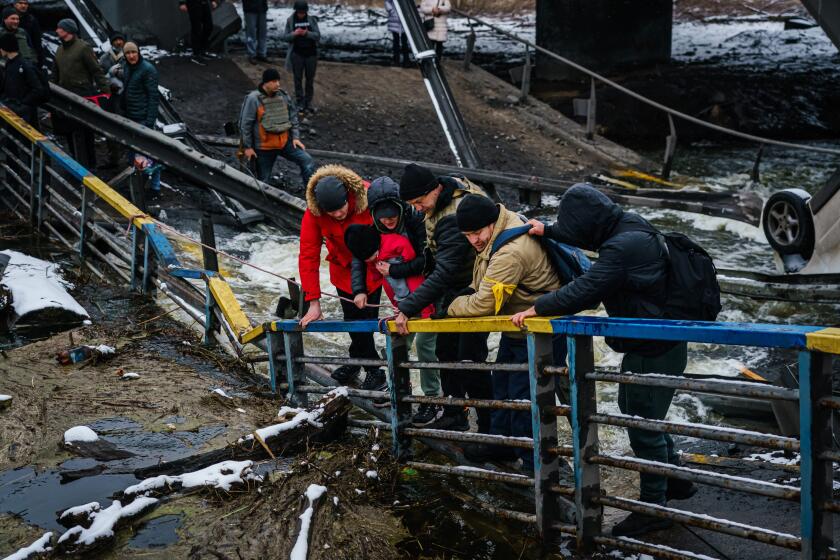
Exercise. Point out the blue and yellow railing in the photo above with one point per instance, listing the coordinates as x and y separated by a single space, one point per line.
575 509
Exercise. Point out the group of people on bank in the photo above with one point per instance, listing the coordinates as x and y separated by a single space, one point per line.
440 247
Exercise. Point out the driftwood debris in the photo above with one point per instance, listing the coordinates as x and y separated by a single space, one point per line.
323 421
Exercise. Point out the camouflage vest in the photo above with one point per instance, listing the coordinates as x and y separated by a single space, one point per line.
275 120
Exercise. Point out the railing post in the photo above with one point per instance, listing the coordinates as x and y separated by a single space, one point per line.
815 427
208 238
585 441
670 149
274 342
39 216
396 349
83 222
469 51
210 322
148 264
33 197
544 427
591 112
295 374
526 76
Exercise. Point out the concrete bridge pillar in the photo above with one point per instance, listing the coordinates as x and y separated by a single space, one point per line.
602 34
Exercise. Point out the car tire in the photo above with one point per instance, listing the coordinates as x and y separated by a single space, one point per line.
788 224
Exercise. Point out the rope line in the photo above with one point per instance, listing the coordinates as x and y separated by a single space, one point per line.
261 269
642 98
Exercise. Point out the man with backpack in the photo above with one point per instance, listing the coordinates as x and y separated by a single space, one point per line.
24 89
511 271
639 273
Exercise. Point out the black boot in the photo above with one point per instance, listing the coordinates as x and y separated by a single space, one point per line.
638 524
345 374
680 489
374 381
455 421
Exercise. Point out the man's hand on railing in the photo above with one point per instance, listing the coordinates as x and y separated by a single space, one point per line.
519 318
402 323
537 227
360 300
314 313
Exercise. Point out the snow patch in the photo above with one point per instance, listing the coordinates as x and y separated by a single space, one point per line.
222 393
5 398
80 433
104 521
37 285
221 475
104 349
78 510
38 547
301 548
372 474
130 375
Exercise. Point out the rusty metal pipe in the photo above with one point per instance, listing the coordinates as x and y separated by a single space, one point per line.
724 526
322 390
477 403
733 388
716 433
474 366
339 361
470 437
657 551
478 474
695 475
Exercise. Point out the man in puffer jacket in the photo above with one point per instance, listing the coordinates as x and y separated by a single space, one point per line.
505 282
449 264
630 278
336 198
393 216
139 102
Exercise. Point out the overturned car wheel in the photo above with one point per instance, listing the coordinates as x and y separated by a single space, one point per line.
788 224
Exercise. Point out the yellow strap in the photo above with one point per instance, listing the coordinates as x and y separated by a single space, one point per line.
499 291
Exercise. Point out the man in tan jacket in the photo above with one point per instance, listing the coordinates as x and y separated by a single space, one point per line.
507 279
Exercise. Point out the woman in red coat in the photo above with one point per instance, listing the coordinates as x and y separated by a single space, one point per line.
336 198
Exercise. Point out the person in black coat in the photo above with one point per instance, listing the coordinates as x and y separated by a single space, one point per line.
630 279
23 89
29 23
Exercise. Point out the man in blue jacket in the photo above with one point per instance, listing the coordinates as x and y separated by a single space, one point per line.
630 279
139 102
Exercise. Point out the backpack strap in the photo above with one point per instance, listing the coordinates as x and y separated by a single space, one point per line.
508 235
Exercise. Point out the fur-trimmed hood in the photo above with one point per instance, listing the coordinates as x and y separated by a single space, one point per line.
356 188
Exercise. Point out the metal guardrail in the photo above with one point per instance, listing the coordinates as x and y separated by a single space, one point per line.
39 177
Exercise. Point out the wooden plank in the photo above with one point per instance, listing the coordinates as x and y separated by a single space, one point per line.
254 335
226 301
116 201
824 340
20 125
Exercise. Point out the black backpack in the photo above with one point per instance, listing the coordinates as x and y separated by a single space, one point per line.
693 292
567 261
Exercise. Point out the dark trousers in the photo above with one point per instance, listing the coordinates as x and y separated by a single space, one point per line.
201 25
361 344
267 158
454 347
517 386
304 66
653 403
400 47
438 49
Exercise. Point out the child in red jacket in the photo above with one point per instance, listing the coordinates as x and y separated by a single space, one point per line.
368 245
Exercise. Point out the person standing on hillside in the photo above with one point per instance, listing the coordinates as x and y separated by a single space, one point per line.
302 34
256 30
436 11
201 26
400 39
269 127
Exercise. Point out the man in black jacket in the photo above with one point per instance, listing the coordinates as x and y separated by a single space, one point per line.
630 278
256 30
29 23
23 89
449 265
201 26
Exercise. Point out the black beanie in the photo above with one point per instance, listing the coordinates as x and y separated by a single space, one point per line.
416 181
269 75
117 35
301 6
363 241
69 25
330 193
475 212
8 11
8 43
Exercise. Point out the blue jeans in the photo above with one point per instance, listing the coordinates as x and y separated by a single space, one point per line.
154 176
256 32
266 159
517 385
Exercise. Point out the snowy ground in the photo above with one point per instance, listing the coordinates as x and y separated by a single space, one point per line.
37 285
